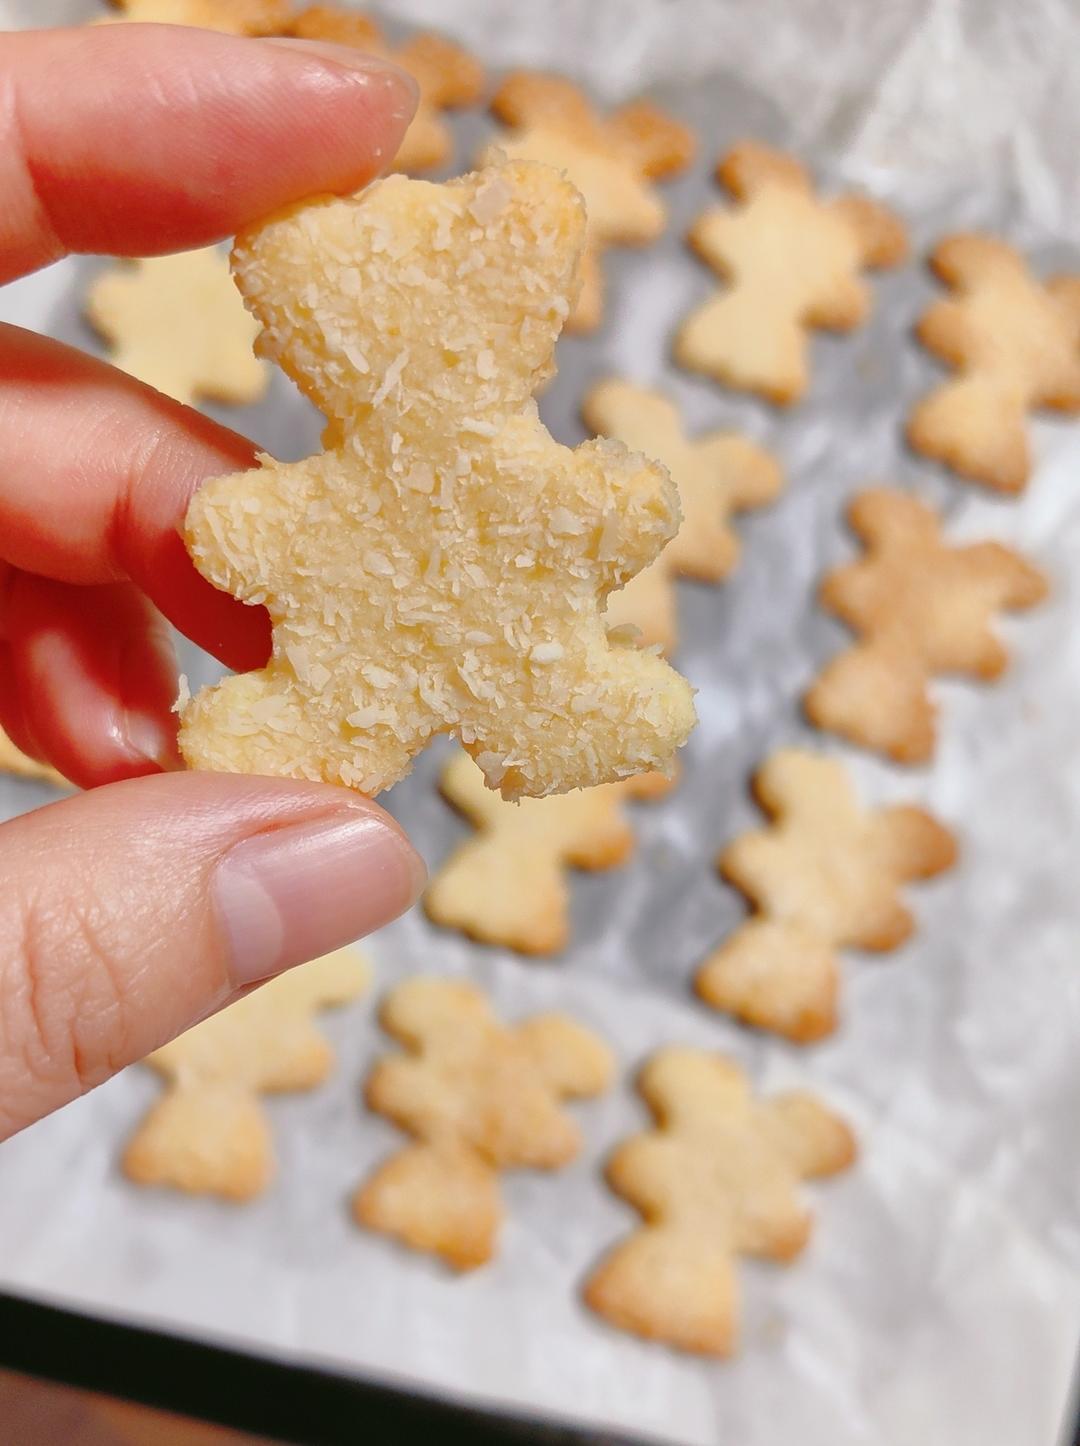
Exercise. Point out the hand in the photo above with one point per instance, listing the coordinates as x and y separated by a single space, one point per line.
132 911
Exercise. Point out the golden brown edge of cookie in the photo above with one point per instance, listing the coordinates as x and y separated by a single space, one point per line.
812 1023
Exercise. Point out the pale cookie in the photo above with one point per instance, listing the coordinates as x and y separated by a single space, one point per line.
443 566
14 760
791 262
919 608
717 476
208 1134
1016 345
478 1098
177 324
446 76
718 1177
508 884
234 17
823 875
612 160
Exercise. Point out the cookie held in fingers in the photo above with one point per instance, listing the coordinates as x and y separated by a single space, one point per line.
208 1133
507 885
177 324
1014 343
791 262
446 76
478 1097
717 1177
717 476
613 161
919 608
443 566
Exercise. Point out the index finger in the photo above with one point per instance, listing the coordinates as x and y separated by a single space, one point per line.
140 139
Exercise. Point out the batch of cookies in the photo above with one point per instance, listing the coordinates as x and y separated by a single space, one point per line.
477 521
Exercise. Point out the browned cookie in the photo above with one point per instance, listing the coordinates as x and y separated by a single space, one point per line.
790 262
919 608
612 160
508 885
823 875
1015 344
478 1097
717 1177
716 475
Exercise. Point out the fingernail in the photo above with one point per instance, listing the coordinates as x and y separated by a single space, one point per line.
146 737
402 90
294 893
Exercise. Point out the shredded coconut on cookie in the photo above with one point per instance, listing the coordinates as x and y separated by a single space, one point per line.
443 566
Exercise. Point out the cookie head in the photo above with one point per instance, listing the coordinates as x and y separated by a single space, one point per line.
457 292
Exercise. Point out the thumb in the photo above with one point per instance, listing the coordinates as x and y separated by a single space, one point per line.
131 912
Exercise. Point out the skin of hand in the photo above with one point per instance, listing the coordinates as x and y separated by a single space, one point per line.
135 909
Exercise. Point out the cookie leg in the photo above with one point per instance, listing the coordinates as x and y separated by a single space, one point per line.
670 1285
877 699
740 339
976 429
442 1199
204 1139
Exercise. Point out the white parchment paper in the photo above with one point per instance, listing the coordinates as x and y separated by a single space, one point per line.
939 1301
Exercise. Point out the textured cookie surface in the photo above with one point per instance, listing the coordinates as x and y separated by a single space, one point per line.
613 161
208 1134
442 567
919 608
14 760
716 476
176 323
1015 344
824 874
508 885
790 262
717 1177
234 17
446 77
478 1097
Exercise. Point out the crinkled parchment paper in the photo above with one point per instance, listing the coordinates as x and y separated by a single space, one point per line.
939 1301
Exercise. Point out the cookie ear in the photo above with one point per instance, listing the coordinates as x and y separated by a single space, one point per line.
750 165
529 98
656 143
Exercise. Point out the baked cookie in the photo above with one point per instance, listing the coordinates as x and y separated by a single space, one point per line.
1015 344
791 262
716 1178
507 885
208 1134
717 476
919 608
613 161
823 875
443 566
478 1098
177 324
